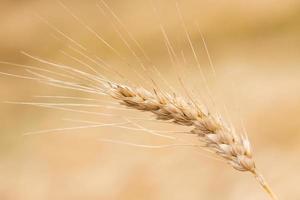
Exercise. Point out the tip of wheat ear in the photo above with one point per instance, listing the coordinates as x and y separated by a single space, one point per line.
215 135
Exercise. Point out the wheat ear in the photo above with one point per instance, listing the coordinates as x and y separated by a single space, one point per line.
213 133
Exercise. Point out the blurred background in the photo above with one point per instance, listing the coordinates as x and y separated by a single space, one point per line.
254 47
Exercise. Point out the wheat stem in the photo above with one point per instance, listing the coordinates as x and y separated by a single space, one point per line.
264 185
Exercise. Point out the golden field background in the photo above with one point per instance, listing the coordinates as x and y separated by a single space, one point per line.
255 49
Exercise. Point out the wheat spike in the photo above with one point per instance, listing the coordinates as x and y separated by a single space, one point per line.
213 133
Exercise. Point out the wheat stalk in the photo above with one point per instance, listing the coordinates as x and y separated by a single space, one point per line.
213 133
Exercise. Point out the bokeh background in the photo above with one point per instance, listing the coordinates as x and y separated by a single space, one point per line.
254 46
